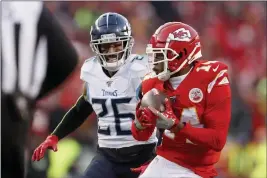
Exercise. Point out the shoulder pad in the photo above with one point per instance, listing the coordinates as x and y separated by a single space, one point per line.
88 64
211 63
137 57
210 68
140 59
216 73
87 67
139 65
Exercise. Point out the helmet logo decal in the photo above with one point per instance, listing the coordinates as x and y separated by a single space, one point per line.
180 35
108 37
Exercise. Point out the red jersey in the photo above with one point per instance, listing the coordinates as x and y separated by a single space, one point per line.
203 102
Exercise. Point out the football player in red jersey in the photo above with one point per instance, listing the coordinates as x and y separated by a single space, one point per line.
197 108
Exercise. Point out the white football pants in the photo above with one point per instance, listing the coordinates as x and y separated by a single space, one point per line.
163 168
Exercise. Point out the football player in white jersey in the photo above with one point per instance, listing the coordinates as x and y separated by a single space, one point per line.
112 80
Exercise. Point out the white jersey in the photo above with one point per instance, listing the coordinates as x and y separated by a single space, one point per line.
114 100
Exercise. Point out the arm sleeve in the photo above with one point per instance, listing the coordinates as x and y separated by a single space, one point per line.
74 118
216 119
62 56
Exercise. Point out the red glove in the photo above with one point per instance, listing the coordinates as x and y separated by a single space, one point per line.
145 117
49 143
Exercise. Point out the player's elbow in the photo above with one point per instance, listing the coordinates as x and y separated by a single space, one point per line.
219 143
218 147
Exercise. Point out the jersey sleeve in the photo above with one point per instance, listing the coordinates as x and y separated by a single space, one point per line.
217 114
85 76
85 69
62 56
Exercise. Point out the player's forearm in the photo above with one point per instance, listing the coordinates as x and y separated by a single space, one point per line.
211 138
217 120
141 135
74 118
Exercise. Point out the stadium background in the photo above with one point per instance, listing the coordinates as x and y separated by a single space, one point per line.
233 32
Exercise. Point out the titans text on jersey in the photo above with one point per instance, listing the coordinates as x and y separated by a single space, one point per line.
114 100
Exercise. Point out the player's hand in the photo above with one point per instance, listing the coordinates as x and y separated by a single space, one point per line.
166 119
144 118
49 143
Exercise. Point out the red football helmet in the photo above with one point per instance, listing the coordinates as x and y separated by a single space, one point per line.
179 44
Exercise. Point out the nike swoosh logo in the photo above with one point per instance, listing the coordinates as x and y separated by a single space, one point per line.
214 70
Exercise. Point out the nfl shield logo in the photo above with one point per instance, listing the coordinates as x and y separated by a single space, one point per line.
109 83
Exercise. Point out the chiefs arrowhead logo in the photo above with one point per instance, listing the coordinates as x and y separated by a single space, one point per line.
181 35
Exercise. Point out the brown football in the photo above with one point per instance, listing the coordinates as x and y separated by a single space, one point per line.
154 98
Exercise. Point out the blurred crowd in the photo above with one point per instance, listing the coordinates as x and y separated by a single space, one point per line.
233 32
